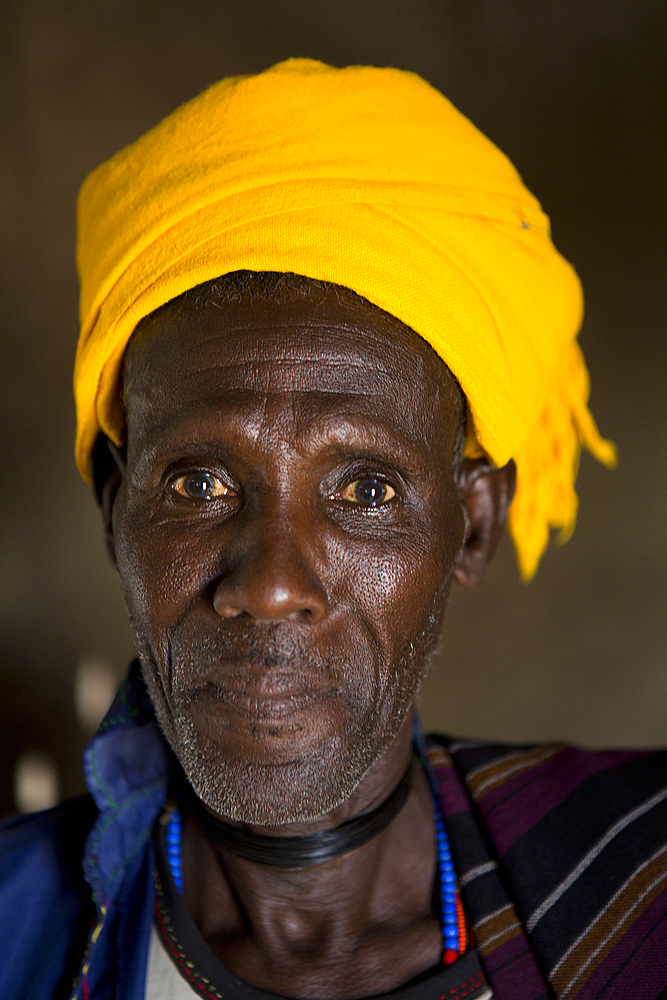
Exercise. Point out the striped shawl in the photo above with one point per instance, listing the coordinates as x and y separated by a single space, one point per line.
562 861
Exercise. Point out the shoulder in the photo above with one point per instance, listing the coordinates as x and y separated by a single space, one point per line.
45 904
555 772
578 839
519 788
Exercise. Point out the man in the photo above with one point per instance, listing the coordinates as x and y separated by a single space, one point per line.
326 340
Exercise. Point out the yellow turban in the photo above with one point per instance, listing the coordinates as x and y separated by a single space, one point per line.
371 179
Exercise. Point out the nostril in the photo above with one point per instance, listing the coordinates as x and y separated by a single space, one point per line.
313 614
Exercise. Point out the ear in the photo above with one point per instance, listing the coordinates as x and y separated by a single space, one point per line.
107 466
486 494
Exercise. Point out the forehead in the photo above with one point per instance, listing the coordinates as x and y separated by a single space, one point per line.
321 358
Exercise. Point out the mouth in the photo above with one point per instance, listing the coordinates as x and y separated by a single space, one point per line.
270 708
269 696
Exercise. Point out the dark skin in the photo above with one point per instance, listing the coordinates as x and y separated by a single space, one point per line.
287 525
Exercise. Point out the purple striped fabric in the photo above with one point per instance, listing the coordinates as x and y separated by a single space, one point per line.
561 856
515 806
506 955
637 967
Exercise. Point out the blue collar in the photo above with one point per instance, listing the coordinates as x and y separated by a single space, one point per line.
127 767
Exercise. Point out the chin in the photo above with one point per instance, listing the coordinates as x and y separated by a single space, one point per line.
276 793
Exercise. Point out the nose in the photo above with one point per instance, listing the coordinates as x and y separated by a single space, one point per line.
273 579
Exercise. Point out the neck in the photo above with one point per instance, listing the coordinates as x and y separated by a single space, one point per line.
308 849
255 917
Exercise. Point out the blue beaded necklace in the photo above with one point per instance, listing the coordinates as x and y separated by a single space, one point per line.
451 910
173 841
452 920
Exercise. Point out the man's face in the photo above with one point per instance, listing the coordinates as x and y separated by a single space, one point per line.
286 532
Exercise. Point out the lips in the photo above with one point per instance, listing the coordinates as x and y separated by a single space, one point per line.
269 695
270 708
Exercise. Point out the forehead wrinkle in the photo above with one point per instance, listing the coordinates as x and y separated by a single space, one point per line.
336 434
370 328
365 347
295 328
324 374
405 375
368 337
285 353
272 378
333 360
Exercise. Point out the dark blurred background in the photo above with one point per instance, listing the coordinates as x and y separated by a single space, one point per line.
574 91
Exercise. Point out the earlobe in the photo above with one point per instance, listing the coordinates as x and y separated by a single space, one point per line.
485 493
107 466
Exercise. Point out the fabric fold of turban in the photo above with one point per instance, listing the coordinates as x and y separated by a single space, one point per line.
371 179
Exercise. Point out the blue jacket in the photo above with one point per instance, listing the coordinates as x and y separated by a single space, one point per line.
47 919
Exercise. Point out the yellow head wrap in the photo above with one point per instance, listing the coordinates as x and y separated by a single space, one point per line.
371 179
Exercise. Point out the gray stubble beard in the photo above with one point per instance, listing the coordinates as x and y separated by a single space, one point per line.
273 795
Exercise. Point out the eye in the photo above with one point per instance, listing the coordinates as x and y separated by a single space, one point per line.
200 485
369 492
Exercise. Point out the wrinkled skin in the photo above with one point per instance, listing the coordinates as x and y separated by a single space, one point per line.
287 523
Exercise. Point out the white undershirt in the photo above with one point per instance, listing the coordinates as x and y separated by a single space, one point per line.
163 980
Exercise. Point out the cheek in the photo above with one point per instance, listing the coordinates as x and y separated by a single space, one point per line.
400 585
161 567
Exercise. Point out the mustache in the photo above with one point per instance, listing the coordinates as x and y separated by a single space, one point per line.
248 650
